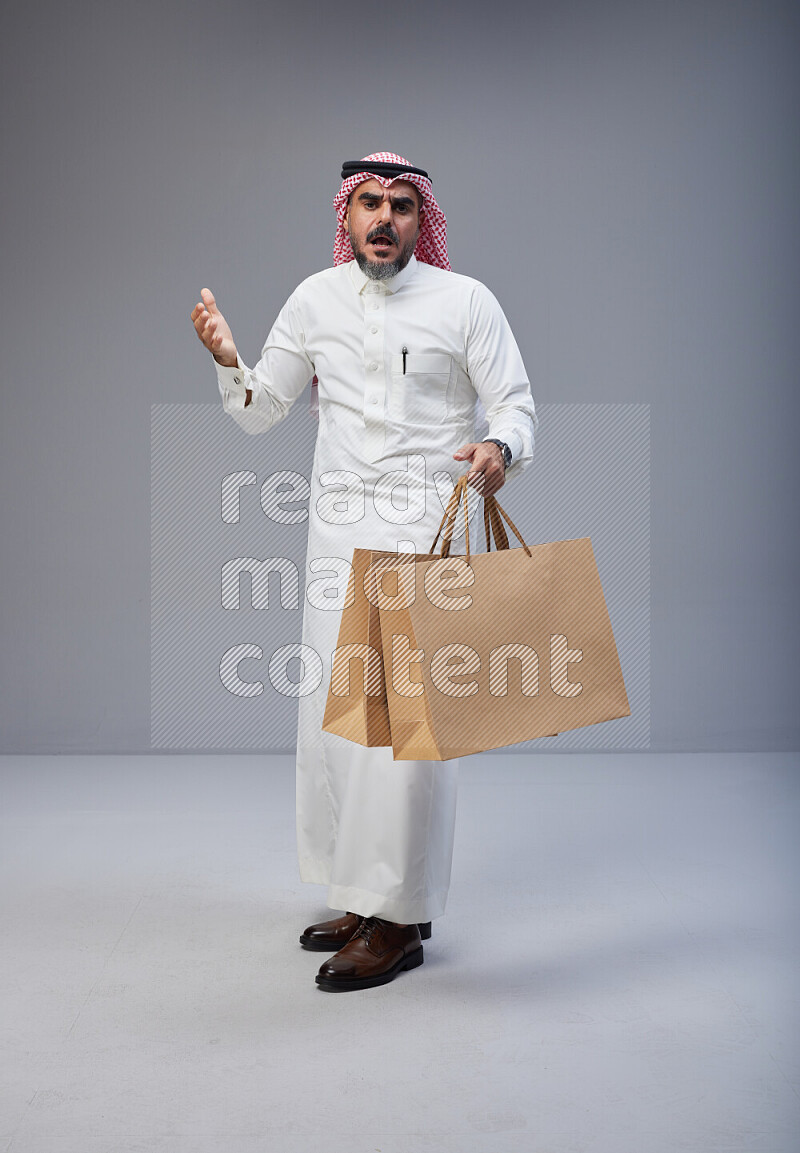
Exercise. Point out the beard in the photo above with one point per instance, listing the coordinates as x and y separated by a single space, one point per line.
383 269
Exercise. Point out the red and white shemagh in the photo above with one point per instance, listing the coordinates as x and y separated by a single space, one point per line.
431 245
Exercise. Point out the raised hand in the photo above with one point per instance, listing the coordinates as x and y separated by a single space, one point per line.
212 329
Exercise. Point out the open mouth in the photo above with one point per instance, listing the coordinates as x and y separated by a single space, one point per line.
382 242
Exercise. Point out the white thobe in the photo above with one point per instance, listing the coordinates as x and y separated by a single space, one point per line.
401 365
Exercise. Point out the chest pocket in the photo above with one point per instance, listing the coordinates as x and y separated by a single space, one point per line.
419 395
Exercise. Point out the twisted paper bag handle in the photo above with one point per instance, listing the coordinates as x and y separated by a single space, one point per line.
492 512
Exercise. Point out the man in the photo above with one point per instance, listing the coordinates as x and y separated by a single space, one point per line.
403 350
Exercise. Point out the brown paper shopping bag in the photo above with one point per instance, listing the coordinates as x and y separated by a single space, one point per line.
495 648
356 706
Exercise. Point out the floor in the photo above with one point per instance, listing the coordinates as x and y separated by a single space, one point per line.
616 971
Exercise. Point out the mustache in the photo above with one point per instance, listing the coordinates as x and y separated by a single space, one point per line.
383 230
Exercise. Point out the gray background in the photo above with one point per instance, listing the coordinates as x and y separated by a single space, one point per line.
623 176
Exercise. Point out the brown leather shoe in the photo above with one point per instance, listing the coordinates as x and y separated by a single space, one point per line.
328 936
331 935
374 955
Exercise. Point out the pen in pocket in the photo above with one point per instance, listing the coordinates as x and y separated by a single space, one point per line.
405 354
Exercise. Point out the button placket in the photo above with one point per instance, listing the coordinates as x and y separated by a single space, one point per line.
374 373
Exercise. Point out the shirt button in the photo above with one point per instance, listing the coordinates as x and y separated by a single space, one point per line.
374 328
374 400
374 306
237 379
373 366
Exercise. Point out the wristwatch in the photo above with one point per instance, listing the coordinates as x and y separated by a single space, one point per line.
506 451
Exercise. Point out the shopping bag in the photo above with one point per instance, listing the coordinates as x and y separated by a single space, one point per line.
356 707
495 648
442 656
358 711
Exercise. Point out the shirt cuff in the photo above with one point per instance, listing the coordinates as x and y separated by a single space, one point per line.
233 383
232 378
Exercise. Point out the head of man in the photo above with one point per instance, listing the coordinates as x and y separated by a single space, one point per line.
383 225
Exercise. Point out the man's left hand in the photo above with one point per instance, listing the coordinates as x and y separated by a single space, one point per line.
488 472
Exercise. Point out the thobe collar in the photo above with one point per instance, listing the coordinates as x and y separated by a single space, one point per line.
364 283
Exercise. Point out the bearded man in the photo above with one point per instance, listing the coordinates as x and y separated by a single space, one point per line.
405 356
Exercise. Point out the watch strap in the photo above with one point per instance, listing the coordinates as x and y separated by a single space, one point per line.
506 451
